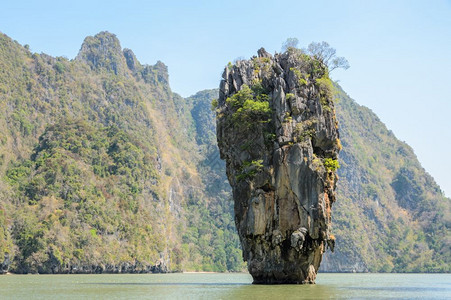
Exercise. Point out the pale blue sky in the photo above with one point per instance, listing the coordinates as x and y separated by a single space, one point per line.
399 51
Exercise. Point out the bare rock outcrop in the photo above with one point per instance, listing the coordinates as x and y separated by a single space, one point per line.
277 131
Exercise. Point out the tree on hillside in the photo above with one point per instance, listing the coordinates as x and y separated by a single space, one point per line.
327 55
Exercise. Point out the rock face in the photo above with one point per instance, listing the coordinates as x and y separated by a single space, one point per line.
277 131
103 51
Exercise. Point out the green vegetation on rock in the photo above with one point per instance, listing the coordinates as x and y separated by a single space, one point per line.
251 107
249 169
331 164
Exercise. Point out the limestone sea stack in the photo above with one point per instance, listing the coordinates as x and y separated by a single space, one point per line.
277 131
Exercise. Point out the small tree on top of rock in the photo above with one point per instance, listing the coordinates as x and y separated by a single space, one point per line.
290 43
323 52
327 55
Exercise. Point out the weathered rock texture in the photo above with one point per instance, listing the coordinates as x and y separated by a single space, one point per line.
280 142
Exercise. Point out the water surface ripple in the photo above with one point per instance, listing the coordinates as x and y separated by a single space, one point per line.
223 286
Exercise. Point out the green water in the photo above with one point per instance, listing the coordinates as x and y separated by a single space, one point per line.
223 286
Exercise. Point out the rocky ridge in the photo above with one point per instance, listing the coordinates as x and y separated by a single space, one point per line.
277 132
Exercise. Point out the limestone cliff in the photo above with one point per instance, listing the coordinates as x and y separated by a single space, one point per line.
277 131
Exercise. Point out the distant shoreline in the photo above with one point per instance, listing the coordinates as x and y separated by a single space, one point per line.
199 272
208 272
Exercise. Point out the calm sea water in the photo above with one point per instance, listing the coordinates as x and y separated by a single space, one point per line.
223 286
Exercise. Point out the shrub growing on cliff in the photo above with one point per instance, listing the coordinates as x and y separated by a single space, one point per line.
326 91
302 77
331 164
305 130
238 99
249 169
251 107
214 104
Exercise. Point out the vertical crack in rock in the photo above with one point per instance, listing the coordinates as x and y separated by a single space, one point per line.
278 134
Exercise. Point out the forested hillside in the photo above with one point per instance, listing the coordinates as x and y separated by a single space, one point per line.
390 215
103 167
